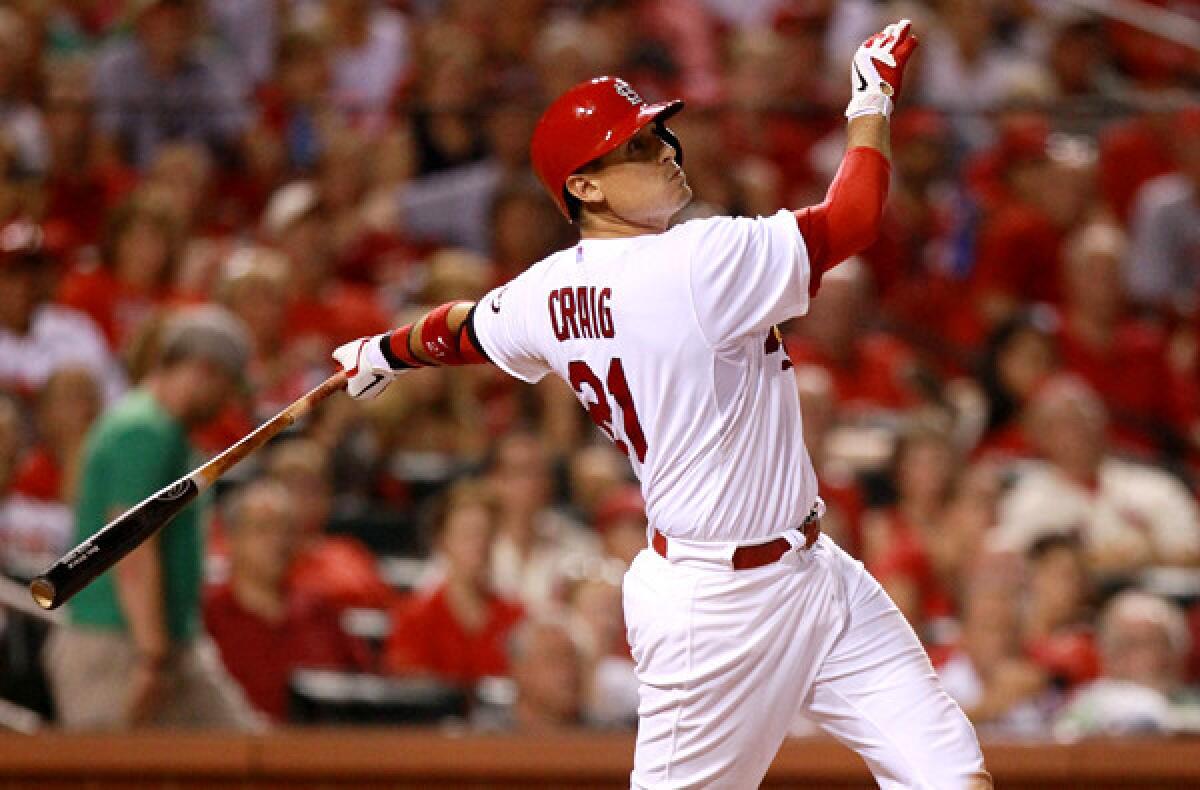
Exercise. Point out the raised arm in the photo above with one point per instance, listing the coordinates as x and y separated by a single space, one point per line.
443 336
848 221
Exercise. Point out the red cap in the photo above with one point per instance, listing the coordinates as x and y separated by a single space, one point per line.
587 122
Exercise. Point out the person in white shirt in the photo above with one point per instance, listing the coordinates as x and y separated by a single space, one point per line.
1129 515
738 614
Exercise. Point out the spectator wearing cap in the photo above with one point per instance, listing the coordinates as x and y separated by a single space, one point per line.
134 653
1122 357
1162 268
160 86
38 337
456 629
1144 643
1129 515
263 627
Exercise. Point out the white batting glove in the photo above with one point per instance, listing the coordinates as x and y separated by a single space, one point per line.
369 372
878 69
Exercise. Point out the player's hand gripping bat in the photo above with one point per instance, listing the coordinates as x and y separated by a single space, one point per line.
129 530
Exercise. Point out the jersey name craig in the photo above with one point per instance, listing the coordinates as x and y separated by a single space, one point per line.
581 311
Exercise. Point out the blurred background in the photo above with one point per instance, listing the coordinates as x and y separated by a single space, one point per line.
1001 396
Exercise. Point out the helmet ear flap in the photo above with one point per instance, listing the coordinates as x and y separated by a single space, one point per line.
667 136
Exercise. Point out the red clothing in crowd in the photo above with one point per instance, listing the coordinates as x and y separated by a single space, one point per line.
1131 153
875 377
117 309
904 556
1019 256
1069 655
1132 377
39 476
261 654
348 312
428 638
342 570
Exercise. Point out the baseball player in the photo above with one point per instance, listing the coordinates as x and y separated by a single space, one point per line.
739 615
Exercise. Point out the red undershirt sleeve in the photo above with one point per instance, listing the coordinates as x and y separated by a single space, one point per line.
849 219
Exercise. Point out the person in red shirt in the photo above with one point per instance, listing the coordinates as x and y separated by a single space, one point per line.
264 628
457 629
1057 613
871 370
338 567
135 274
1122 358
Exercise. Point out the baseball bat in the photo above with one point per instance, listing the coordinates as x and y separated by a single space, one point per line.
129 530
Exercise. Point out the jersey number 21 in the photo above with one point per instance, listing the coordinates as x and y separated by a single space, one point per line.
599 409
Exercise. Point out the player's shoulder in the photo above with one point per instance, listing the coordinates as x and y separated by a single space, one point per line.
710 228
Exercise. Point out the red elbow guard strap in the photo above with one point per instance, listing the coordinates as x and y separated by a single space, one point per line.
445 345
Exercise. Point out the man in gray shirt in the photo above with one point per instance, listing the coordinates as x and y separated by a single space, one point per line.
160 85
1164 264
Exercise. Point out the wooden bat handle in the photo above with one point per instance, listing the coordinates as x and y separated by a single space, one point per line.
75 569
208 474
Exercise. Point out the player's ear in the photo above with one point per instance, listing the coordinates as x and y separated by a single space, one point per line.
584 188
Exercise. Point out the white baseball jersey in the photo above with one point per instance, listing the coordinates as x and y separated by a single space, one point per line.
669 341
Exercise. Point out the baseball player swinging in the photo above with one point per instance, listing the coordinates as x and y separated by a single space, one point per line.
739 615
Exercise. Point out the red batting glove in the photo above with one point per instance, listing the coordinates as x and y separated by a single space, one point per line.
878 70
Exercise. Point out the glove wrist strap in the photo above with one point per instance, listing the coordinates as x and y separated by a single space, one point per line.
869 104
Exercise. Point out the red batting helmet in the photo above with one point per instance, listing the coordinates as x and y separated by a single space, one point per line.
587 122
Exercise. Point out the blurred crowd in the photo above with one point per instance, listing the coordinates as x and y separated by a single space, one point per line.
1001 396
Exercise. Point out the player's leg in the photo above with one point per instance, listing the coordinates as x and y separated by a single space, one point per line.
877 693
724 659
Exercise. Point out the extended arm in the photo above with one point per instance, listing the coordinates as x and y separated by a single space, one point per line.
443 336
848 221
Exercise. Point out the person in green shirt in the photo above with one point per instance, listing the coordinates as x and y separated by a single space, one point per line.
134 653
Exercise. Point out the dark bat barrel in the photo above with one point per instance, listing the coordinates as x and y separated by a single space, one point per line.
106 548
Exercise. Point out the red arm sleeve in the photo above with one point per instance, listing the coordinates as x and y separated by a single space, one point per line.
849 219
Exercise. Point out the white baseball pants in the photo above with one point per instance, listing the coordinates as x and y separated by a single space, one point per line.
728 658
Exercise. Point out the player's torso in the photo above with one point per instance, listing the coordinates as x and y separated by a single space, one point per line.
713 434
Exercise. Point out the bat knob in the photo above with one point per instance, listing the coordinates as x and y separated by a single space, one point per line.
43 591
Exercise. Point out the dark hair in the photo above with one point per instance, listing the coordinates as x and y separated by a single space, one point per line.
1052 542
1002 404
469 492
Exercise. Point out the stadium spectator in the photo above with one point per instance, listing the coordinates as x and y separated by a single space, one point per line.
1057 611
456 629
37 522
1161 270
1144 642
999 689
896 539
597 623
135 653
620 520
370 57
1019 355
37 337
837 474
331 567
594 472
148 88
1128 515
294 107
1123 359
263 629
536 545
139 258
547 670
22 127
872 371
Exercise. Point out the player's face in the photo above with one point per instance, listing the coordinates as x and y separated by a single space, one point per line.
639 182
